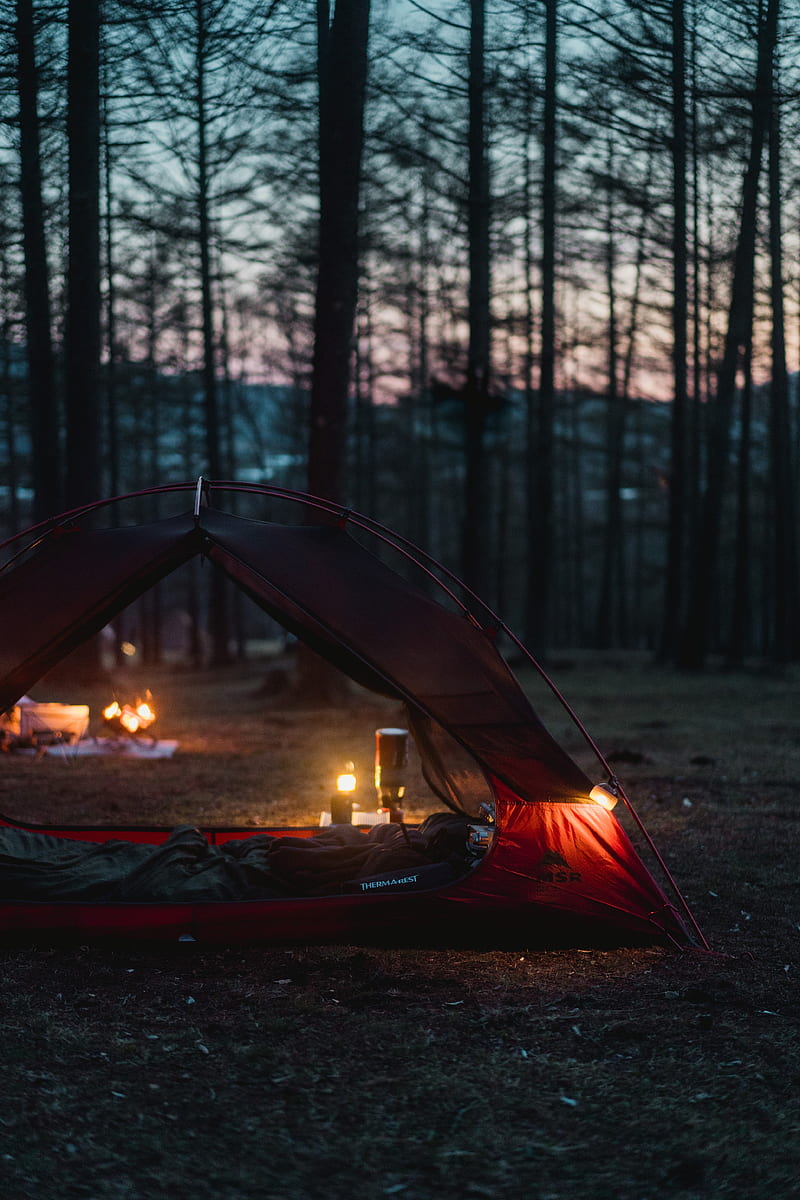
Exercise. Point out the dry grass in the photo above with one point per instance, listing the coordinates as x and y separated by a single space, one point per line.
338 1072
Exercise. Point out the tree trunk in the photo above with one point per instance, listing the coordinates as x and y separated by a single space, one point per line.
630 578
740 618
365 489
610 581
421 470
82 322
111 396
694 645
342 66
217 599
675 575
8 391
476 392
782 472
210 390
700 367
342 71
44 423
541 466
82 335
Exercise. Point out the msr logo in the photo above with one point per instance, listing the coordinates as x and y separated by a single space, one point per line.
554 868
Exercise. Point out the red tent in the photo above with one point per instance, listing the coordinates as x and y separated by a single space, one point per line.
560 867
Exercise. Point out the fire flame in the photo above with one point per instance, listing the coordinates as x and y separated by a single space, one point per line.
133 718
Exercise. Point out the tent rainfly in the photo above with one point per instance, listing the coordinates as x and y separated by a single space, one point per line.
559 869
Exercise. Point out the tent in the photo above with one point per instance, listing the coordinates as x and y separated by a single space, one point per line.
560 867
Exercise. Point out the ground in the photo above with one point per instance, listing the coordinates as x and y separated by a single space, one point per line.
336 1072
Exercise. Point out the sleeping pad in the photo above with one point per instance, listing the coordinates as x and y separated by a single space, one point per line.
39 866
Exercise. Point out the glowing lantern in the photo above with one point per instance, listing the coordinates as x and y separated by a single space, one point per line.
605 794
342 802
346 782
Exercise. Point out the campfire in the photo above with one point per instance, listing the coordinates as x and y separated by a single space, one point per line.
130 720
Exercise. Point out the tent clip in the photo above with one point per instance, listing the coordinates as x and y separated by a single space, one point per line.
198 497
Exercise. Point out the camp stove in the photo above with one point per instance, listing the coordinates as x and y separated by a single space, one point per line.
391 764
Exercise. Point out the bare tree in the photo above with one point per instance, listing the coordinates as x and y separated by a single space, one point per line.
675 574
782 474
342 65
705 575
44 417
476 391
541 466
82 330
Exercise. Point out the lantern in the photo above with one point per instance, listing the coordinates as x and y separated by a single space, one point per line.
342 801
605 794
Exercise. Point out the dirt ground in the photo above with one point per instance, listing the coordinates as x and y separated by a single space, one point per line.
252 1073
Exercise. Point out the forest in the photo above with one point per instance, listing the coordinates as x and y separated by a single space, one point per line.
518 278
